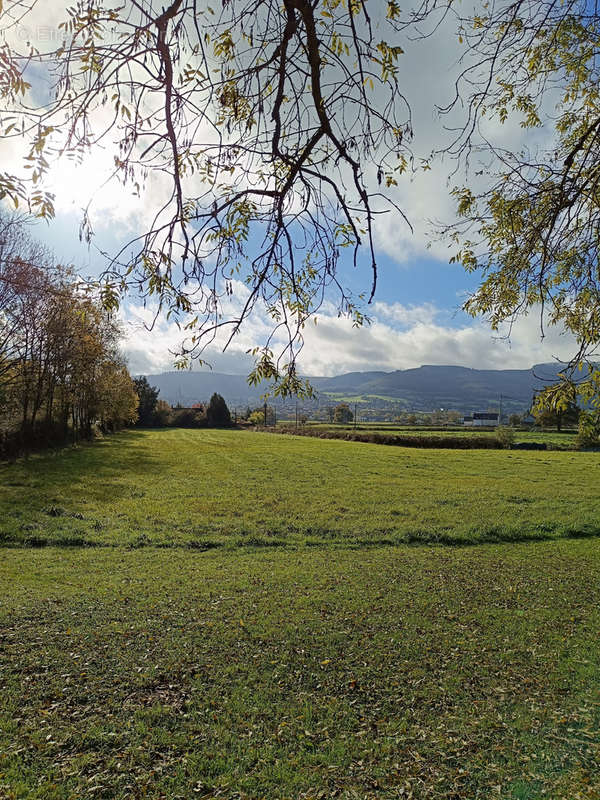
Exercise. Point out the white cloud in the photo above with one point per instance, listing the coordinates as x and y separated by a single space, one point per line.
405 316
151 341
398 338
333 346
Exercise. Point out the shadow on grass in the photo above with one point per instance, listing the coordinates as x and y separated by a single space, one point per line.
94 465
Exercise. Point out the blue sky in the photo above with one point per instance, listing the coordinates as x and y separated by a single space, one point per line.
416 317
416 312
418 281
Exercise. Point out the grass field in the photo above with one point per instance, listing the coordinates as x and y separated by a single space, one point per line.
386 673
331 667
212 488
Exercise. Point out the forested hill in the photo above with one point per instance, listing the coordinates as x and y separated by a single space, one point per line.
424 389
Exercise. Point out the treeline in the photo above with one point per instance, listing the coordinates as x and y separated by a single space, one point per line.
156 413
61 373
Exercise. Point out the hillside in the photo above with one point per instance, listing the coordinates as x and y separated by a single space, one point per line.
422 389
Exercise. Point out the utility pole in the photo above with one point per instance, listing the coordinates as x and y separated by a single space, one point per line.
296 413
355 405
500 415
265 415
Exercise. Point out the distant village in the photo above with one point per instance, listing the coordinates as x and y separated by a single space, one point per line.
296 411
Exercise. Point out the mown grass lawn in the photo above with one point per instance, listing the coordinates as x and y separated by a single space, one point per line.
187 658
210 488
381 673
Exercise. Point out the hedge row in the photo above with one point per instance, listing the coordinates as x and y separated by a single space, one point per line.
446 442
476 442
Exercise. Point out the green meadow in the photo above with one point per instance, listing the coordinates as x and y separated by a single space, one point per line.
216 488
222 614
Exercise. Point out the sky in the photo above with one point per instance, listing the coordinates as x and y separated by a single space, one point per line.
415 316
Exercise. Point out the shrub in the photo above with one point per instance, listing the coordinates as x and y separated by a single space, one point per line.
505 436
343 413
588 433
162 414
188 418
257 417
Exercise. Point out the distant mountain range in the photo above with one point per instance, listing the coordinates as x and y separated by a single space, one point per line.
424 389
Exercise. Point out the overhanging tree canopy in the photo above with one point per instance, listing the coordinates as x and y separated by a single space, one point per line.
278 128
534 230
281 128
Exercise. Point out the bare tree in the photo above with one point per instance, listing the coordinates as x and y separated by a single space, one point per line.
278 127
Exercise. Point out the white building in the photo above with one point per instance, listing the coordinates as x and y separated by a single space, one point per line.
488 419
